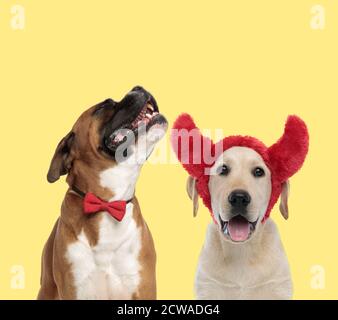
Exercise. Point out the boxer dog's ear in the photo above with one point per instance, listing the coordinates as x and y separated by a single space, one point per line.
62 159
283 206
192 193
192 149
287 155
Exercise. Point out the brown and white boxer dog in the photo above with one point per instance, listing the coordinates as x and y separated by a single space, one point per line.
100 246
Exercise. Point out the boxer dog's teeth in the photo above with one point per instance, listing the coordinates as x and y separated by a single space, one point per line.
147 117
144 116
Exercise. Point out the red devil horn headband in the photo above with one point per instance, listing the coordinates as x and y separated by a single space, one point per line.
193 150
197 153
288 153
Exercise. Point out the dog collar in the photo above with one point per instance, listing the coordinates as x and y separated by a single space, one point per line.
93 204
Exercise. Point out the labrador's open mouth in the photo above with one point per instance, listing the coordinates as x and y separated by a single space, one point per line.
238 228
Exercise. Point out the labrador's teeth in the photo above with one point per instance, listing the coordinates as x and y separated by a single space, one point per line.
225 227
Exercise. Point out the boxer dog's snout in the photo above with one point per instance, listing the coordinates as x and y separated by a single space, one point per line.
136 114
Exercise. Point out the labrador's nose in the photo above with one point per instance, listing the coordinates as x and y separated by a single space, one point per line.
239 199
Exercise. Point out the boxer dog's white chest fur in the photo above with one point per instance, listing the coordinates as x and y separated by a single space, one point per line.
110 270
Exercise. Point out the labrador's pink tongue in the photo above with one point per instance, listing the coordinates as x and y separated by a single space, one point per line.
239 228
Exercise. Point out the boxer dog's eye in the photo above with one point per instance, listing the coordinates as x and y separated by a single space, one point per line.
258 172
223 170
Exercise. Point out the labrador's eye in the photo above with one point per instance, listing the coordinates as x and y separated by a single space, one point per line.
258 172
223 170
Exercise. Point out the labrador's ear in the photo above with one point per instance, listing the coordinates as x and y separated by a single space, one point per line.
62 159
192 193
283 206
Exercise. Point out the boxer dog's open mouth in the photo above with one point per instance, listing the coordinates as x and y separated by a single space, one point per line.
148 116
135 114
238 228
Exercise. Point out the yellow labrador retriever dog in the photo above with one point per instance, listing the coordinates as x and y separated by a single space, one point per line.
242 260
242 256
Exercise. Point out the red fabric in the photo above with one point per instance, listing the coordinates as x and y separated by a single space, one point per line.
284 158
93 204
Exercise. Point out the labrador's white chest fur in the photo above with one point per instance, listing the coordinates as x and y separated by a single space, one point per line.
248 271
110 270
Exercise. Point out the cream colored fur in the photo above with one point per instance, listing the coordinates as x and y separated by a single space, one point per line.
256 268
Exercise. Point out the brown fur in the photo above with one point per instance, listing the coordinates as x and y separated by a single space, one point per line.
83 163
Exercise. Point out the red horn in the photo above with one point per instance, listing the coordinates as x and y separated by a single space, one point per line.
288 153
192 149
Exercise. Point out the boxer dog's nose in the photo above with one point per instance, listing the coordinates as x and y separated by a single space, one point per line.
134 99
138 93
239 199
137 88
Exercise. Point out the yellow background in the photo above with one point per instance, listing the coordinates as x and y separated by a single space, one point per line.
242 66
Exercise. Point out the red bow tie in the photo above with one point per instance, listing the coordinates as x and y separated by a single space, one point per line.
93 204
